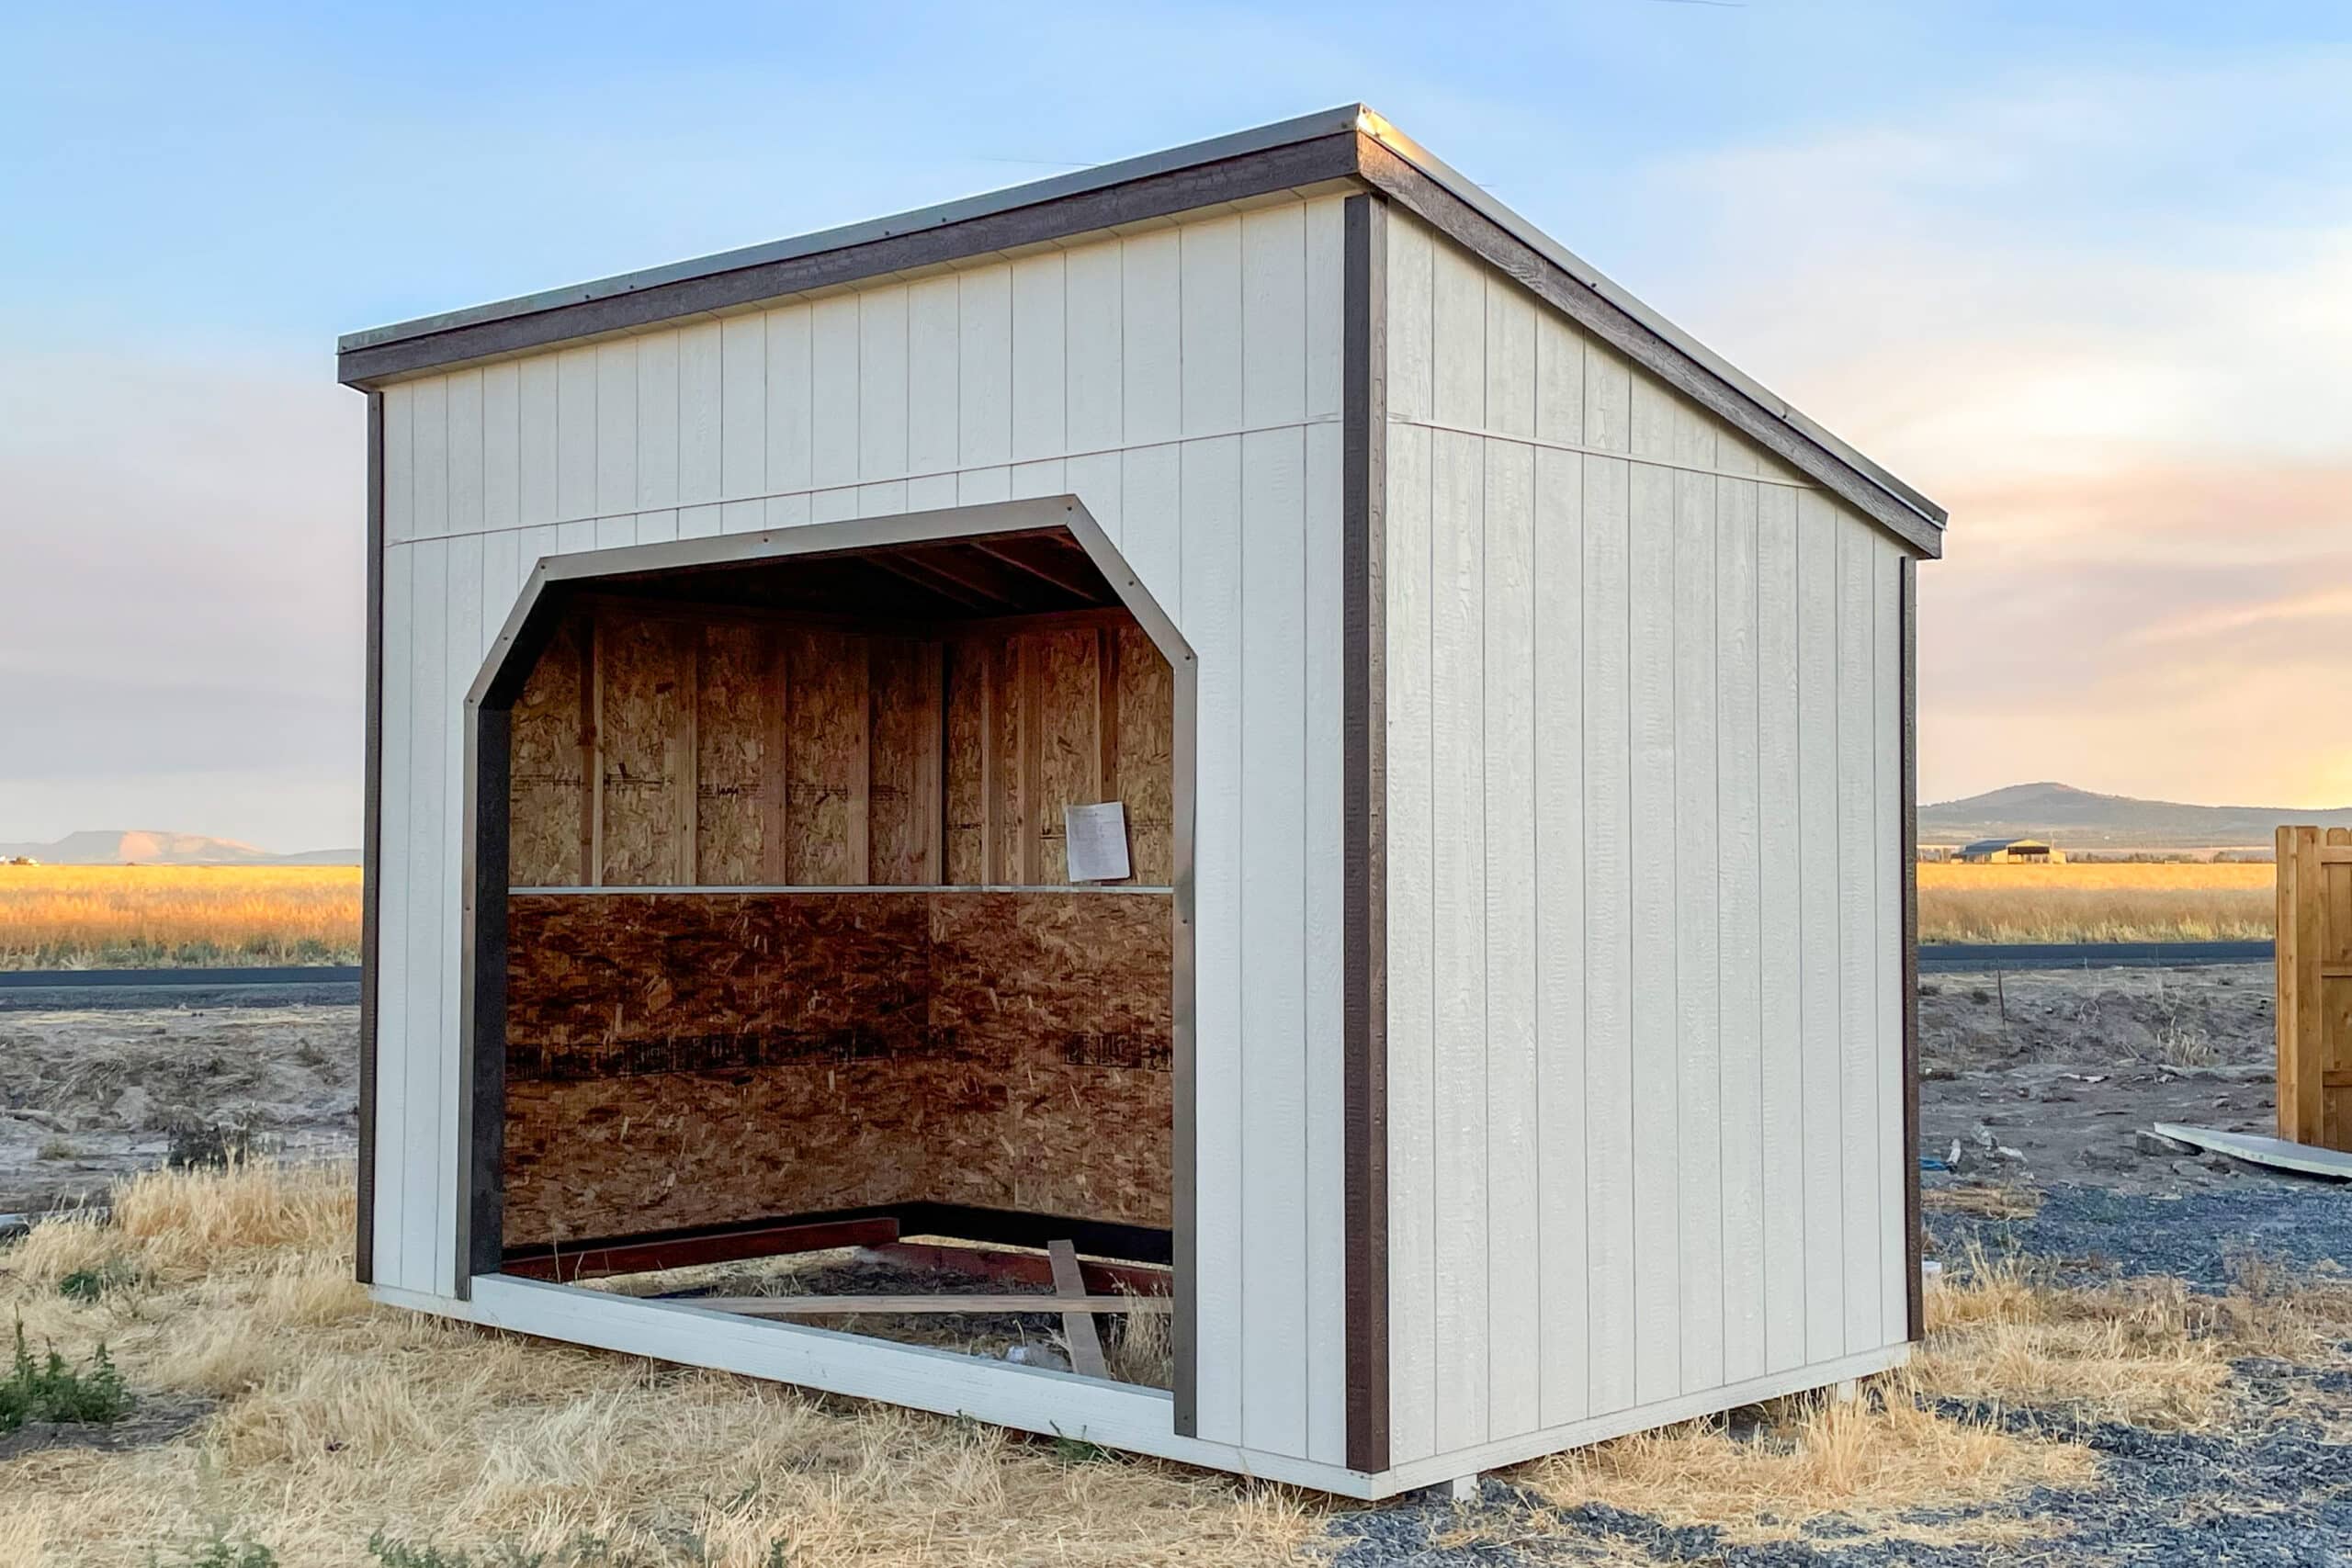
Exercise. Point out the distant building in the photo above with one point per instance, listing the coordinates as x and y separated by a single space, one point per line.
2011 852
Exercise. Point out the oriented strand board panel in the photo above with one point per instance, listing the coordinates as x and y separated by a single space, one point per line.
970 742
1068 710
645 706
903 777
739 752
684 1059
548 777
734 694
1143 728
825 760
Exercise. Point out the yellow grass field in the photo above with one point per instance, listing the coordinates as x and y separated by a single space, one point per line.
2200 901
137 916
140 916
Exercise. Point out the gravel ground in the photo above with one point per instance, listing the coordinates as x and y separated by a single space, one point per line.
2092 1230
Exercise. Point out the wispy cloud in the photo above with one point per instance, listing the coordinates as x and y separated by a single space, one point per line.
2108 321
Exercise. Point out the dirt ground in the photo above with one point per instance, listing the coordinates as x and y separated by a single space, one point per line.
86 1097
2038 1078
2047 1077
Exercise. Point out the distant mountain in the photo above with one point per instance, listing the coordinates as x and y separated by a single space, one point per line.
148 847
2073 817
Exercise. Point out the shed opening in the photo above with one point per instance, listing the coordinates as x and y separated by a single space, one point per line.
791 960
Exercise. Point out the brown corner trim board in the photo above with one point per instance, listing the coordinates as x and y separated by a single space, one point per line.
1363 873
1907 771
371 852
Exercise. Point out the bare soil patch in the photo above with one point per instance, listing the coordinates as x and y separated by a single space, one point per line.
89 1096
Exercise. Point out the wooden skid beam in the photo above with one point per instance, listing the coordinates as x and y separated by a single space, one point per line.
681 1252
833 1307
1027 1267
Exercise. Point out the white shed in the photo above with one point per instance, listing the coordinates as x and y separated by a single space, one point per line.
1503 1035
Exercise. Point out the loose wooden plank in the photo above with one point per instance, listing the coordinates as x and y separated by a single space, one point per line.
1078 1315
2281 1154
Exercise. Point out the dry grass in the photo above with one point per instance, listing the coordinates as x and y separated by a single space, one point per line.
2204 901
1868 1462
2148 1352
1987 1200
58 917
340 1419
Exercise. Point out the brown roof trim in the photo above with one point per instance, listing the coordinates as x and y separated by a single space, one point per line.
1029 215
1489 231
1349 143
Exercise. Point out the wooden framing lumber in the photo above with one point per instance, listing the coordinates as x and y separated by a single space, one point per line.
1078 1322
681 1252
1070 1306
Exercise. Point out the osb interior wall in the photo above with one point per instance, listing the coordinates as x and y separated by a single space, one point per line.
683 1059
666 748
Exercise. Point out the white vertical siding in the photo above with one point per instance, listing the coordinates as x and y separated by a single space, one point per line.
1184 382
1643 922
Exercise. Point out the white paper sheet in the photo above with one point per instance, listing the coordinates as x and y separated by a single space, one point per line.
1097 839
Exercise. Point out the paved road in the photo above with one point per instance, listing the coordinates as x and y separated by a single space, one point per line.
42 990
1938 958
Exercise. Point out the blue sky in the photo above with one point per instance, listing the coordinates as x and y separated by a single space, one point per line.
2082 272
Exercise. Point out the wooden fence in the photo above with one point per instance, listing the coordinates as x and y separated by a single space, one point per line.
2315 985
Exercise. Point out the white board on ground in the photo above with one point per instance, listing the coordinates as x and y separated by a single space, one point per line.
2276 1153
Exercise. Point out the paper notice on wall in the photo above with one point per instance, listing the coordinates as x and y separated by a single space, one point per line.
1097 837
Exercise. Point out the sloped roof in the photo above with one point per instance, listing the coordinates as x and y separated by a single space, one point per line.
1349 145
